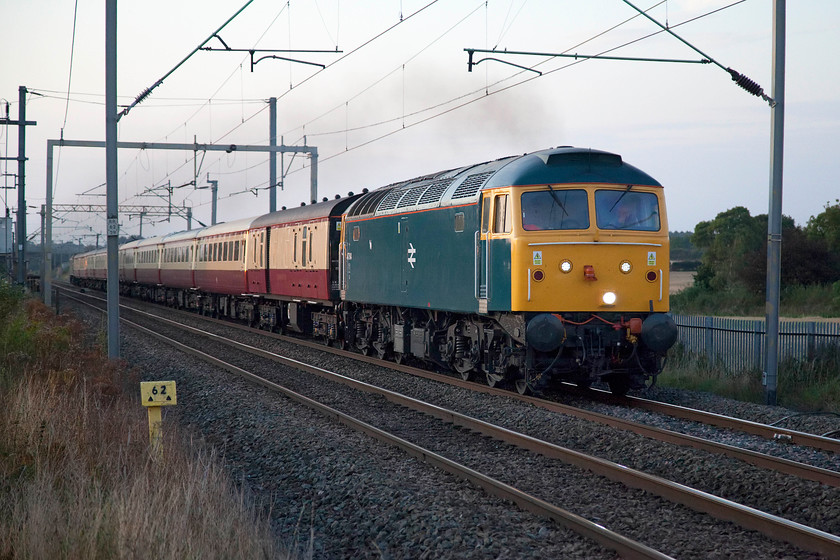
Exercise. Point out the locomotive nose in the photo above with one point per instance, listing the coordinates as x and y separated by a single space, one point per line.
659 332
545 332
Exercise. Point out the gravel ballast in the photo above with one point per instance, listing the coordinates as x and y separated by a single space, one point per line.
277 448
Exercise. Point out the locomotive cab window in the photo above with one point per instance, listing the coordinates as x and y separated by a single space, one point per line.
626 209
554 209
501 214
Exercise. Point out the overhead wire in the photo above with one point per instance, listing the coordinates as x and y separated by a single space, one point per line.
453 100
510 86
67 101
388 74
341 58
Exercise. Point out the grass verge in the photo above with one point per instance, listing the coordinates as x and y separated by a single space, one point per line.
78 478
802 385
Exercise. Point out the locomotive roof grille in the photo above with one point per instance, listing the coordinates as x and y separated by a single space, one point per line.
369 203
471 185
435 191
412 196
390 201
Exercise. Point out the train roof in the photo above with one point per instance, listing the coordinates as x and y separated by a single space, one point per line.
130 244
149 241
233 226
570 165
185 235
464 185
328 208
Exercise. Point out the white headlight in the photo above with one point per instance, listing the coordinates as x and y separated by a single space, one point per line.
609 298
566 266
625 267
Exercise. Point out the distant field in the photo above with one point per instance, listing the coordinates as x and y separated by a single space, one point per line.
681 280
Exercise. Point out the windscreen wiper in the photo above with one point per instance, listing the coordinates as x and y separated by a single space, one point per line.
627 190
557 200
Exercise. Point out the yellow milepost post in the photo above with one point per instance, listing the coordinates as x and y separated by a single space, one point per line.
153 395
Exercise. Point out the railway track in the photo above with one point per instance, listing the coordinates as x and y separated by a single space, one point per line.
720 420
778 528
799 469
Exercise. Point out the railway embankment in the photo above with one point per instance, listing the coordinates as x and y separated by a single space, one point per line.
78 477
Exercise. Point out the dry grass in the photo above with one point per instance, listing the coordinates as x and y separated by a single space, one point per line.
78 480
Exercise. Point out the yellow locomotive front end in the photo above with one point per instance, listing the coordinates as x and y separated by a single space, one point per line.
589 248
589 271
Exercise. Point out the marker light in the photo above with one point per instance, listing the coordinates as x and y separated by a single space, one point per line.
609 298
625 267
566 266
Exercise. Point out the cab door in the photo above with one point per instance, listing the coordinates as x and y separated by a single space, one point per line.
493 252
482 249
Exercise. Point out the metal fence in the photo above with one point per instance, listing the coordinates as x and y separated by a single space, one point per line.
738 344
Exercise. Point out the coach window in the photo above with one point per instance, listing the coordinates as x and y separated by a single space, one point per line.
294 249
236 250
303 242
224 251
501 220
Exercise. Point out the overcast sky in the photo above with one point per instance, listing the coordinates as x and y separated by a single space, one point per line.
398 102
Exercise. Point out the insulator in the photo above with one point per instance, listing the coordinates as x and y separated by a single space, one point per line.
746 83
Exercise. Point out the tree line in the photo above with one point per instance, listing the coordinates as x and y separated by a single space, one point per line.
734 247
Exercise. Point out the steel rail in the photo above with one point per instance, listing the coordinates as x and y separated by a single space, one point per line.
611 540
770 525
722 421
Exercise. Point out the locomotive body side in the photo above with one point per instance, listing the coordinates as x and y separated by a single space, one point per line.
415 244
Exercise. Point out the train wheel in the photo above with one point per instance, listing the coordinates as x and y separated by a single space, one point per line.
494 379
